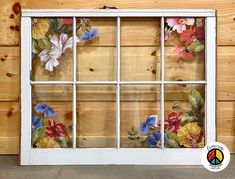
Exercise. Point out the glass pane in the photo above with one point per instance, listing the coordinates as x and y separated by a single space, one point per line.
184 49
140 114
184 116
52 116
140 50
96 116
52 53
96 51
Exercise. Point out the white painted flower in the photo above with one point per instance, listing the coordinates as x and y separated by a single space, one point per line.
58 47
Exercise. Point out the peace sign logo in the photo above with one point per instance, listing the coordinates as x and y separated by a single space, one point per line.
215 156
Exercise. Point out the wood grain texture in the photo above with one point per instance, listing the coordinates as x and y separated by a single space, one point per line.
9 73
225 12
92 68
226 73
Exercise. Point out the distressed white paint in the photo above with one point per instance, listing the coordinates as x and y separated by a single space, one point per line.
162 80
211 79
25 91
117 12
102 156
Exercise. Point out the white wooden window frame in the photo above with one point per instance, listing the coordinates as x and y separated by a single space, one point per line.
103 156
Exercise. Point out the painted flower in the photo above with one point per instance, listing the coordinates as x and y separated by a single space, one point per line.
199 32
44 109
89 35
40 27
179 24
189 35
67 21
154 140
59 46
55 130
183 52
173 122
191 135
149 123
166 36
36 123
47 143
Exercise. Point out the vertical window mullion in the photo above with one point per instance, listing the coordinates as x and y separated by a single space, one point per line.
118 83
74 82
162 82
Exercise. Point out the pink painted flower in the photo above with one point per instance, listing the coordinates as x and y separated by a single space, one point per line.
173 122
189 35
183 52
166 36
56 130
67 21
179 24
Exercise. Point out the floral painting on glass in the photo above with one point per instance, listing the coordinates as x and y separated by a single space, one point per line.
189 35
46 131
53 37
182 127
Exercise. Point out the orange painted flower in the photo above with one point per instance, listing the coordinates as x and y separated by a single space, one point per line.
47 143
191 135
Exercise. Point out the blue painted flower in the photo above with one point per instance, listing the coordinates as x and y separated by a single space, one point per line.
44 109
154 139
89 35
36 123
150 122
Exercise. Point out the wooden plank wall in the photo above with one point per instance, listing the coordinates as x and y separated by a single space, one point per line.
10 59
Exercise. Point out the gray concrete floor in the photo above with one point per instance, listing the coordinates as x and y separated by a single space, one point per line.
9 169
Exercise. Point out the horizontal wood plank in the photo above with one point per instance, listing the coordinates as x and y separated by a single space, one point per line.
225 13
9 73
93 68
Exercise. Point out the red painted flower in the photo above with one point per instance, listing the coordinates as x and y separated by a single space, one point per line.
173 122
67 21
189 35
183 52
55 130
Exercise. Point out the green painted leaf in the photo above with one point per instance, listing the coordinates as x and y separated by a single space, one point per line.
199 22
54 24
172 139
38 135
189 116
62 141
196 99
196 46
172 143
44 43
176 106
36 48
193 101
66 29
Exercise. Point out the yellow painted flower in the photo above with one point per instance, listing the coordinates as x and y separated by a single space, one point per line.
39 28
190 135
47 143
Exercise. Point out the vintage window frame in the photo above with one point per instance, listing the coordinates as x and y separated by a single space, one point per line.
102 156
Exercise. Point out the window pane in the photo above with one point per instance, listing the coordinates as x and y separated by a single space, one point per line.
52 116
52 53
140 114
96 116
184 116
140 50
184 49
96 51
